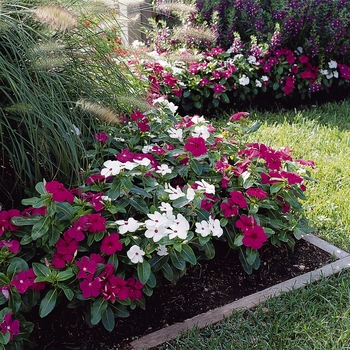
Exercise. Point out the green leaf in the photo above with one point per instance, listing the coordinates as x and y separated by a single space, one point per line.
139 204
4 280
209 250
177 260
275 86
119 310
16 265
143 271
196 166
168 272
238 240
108 320
66 209
55 234
225 98
41 227
66 290
180 202
113 259
48 303
40 187
64 275
280 70
24 221
140 191
251 255
256 126
40 269
276 187
5 338
188 254
198 104
157 262
115 190
99 306
186 93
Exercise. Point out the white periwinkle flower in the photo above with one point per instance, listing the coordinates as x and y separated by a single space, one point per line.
215 227
135 254
178 228
176 134
203 228
206 187
162 250
131 225
201 131
332 64
335 74
164 169
174 193
252 60
244 80
190 194
258 83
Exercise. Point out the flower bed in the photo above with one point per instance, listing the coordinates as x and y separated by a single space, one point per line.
159 191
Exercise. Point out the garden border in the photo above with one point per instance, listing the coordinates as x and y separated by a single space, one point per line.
218 314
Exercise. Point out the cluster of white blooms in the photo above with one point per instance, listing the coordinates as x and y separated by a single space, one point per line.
331 72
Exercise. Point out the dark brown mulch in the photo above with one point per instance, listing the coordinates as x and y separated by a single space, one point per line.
209 285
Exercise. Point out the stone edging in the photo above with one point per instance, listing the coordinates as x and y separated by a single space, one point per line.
216 315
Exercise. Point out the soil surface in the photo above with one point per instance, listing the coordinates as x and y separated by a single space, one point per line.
208 285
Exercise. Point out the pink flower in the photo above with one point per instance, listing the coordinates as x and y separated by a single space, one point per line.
101 137
87 267
97 223
238 115
292 178
239 199
5 220
169 79
9 325
59 192
76 232
204 81
219 88
229 208
90 287
254 237
196 145
24 280
110 244
135 287
137 115
67 245
95 177
245 223
30 211
12 245
114 287
256 192
143 125
21 282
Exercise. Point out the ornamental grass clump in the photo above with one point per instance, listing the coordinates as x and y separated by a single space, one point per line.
159 191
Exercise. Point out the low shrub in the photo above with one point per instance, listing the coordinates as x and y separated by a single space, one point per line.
159 190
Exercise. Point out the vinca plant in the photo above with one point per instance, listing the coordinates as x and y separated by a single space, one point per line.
159 192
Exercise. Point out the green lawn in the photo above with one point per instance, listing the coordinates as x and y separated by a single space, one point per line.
318 316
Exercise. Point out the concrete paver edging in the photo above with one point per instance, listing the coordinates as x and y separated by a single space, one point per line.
216 315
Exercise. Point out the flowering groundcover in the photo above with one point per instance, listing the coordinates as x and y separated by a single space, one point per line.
159 191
